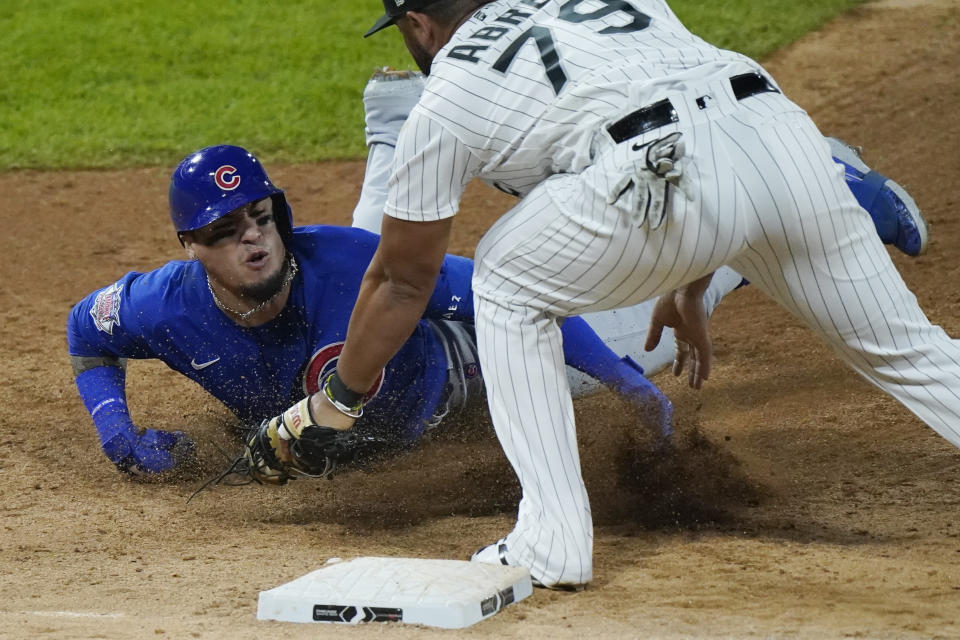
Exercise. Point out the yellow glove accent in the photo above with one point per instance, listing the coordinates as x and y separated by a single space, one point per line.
293 421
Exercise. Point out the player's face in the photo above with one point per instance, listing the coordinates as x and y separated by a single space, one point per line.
242 251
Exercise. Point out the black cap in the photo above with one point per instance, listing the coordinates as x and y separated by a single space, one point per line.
394 10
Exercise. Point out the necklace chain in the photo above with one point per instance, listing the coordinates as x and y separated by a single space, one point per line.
244 315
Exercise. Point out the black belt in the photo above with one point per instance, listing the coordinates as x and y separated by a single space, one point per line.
662 113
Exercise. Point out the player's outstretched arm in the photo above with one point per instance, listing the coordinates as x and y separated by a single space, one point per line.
100 375
101 383
585 351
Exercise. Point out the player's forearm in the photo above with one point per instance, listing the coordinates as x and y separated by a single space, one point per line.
102 390
395 290
386 313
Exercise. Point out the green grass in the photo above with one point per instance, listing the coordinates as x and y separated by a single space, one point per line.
757 27
110 83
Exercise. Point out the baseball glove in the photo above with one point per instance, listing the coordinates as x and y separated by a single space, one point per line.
313 451
316 454
293 445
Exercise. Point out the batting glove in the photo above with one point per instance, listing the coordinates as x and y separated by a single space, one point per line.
655 408
149 452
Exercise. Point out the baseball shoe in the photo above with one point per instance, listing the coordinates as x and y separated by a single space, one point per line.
897 217
496 553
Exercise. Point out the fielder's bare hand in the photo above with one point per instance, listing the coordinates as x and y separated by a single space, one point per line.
683 310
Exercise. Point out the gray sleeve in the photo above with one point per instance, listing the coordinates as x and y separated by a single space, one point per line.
84 363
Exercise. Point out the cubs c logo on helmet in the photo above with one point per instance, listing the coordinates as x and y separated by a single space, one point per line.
226 177
323 363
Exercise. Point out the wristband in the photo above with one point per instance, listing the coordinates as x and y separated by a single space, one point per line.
292 421
345 400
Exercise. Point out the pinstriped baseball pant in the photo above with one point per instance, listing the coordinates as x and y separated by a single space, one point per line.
764 198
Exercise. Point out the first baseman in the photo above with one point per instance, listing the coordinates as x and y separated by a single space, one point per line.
390 96
645 159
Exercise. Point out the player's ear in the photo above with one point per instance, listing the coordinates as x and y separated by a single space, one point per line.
187 241
426 30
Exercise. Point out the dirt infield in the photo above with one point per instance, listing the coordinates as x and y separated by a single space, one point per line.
806 504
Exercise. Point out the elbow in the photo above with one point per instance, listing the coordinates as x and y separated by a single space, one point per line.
412 287
406 280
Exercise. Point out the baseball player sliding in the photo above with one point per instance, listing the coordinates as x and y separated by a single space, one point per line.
260 350
645 160
257 317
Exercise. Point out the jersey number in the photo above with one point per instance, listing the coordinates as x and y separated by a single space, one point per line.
543 38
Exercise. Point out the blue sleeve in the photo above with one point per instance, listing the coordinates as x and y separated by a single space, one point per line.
585 351
131 450
102 390
107 323
452 298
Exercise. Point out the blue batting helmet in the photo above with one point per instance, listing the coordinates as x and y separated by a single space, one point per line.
210 183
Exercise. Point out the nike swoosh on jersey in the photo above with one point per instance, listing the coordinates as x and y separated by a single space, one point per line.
203 365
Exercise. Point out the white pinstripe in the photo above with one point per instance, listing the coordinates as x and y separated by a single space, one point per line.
764 197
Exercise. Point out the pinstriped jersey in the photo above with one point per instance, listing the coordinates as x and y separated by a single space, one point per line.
524 86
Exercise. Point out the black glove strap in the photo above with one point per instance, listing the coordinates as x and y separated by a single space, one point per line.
348 401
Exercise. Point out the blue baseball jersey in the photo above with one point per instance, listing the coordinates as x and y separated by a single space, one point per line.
169 314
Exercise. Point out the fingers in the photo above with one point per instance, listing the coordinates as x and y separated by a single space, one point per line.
696 360
654 333
151 460
681 354
700 366
693 375
704 358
